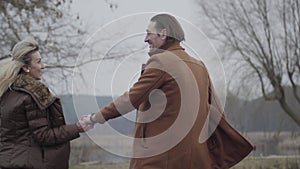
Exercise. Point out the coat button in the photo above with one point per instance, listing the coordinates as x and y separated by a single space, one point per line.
212 143
214 166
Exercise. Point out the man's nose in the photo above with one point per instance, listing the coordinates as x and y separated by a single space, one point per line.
146 39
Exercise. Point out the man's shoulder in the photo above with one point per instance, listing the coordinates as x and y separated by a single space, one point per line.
164 58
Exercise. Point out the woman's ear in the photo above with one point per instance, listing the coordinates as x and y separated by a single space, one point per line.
25 68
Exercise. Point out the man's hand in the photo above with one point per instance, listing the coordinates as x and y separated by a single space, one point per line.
84 124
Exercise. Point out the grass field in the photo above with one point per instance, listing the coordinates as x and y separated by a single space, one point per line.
102 166
249 163
269 163
286 146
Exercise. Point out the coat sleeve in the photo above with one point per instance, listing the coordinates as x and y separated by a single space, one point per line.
43 133
149 80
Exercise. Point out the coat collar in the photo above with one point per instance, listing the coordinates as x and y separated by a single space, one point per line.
169 47
39 92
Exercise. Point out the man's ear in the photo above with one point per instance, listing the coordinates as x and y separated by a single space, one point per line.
163 34
25 68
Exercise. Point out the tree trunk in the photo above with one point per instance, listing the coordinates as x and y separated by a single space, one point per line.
289 111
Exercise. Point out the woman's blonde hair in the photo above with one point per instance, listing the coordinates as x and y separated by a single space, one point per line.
21 55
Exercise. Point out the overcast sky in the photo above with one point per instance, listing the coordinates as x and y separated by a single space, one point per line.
113 78
97 12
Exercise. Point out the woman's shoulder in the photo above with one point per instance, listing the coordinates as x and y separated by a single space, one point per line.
15 98
37 90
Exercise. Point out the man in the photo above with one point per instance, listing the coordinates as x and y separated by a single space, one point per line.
180 123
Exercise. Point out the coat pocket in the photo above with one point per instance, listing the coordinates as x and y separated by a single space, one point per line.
57 156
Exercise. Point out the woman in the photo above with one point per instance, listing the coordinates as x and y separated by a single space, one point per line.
33 133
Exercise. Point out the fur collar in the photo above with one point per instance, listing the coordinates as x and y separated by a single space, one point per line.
39 92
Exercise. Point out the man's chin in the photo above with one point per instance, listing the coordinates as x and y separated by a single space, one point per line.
152 49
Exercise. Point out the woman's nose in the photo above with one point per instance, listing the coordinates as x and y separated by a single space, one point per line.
43 66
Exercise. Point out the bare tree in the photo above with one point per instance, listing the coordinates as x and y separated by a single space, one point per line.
60 34
263 38
50 23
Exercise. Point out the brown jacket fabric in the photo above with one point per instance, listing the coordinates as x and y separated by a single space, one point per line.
33 133
180 122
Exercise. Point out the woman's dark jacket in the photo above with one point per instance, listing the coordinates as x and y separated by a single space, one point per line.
33 132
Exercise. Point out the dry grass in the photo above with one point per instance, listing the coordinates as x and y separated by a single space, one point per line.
269 163
102 166
248 163
286 144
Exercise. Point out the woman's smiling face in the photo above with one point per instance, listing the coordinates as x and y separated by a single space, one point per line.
36 66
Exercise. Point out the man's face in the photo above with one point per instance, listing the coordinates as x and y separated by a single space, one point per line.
154 38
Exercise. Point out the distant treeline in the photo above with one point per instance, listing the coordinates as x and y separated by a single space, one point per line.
246 116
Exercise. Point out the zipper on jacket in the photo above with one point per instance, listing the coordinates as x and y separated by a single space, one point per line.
1 124
144 139
43 152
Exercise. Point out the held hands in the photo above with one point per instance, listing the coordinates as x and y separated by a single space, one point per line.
85 123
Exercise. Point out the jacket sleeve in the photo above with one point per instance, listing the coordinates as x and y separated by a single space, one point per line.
43 133
149 80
